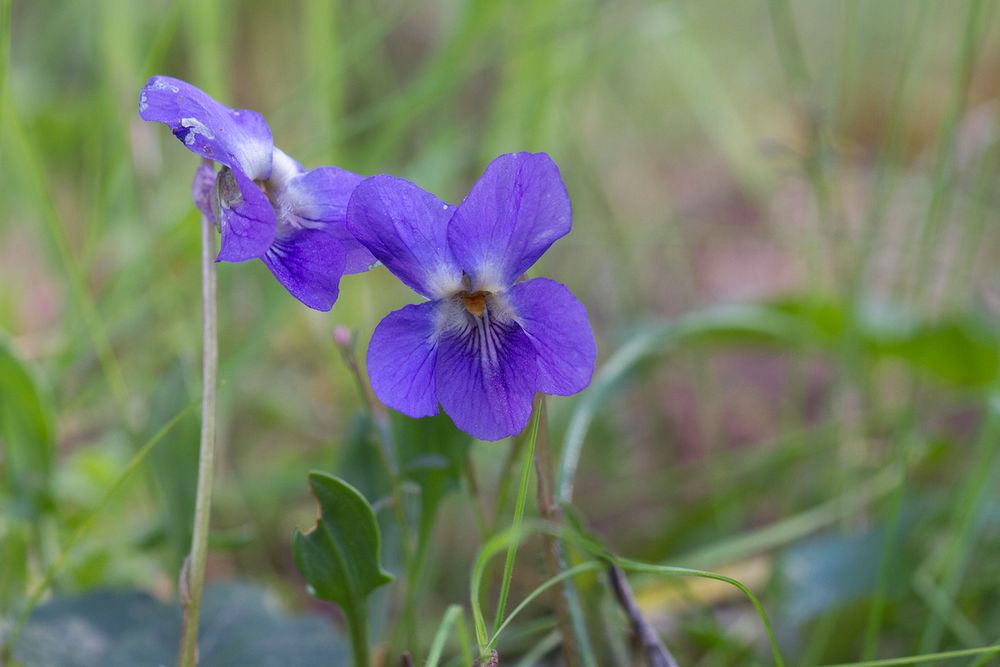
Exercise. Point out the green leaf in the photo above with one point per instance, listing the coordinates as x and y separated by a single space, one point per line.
432 454
241 625
14 539
27 437
959 351
174 466
339 557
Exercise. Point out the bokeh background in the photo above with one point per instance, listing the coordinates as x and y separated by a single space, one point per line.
785 233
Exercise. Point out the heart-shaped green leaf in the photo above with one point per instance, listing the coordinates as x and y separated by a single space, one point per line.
339 557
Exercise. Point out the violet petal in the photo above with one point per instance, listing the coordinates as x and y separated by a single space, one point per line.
556 322
309 263
517 209
406 228
401 360
237 138
486 377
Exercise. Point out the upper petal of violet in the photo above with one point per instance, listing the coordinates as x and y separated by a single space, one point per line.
486 377
517 209
402 356
236 138
556 322
309 263
318 199
406 228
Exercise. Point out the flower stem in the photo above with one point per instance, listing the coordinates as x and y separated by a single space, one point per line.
193 574
357 625
550 511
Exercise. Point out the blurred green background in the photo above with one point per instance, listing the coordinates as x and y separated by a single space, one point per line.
828 167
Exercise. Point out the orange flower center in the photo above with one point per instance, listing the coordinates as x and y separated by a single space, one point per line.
475 302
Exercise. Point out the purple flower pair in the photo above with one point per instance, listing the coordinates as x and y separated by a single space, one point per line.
484 343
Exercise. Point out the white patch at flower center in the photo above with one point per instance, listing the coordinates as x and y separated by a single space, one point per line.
474 314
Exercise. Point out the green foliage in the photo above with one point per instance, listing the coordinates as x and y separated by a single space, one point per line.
432 454
843 154
340 556
15 537
241 625
27 438
174 464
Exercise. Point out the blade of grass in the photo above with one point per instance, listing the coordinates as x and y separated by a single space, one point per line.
453 616
923 658
941 190
972 497
521 500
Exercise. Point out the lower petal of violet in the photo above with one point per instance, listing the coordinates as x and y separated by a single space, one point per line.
486 377
247 219
309 264
401 360
559 330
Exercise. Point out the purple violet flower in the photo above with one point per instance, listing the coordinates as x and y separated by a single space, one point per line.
265 204
484 343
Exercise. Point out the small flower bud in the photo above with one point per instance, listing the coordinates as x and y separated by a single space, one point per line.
342 337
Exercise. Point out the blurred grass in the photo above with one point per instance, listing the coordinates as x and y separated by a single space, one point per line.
842 156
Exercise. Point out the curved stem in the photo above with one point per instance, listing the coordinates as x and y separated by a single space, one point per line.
193 574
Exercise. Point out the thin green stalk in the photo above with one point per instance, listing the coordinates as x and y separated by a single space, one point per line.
453 616
588 566
60 561
971 499
193 574
985 658
985 651
357 625
636 566
474 496
504 483
871 226
514 534
887 557
820 247
941 189
572 627
522 495
533 657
